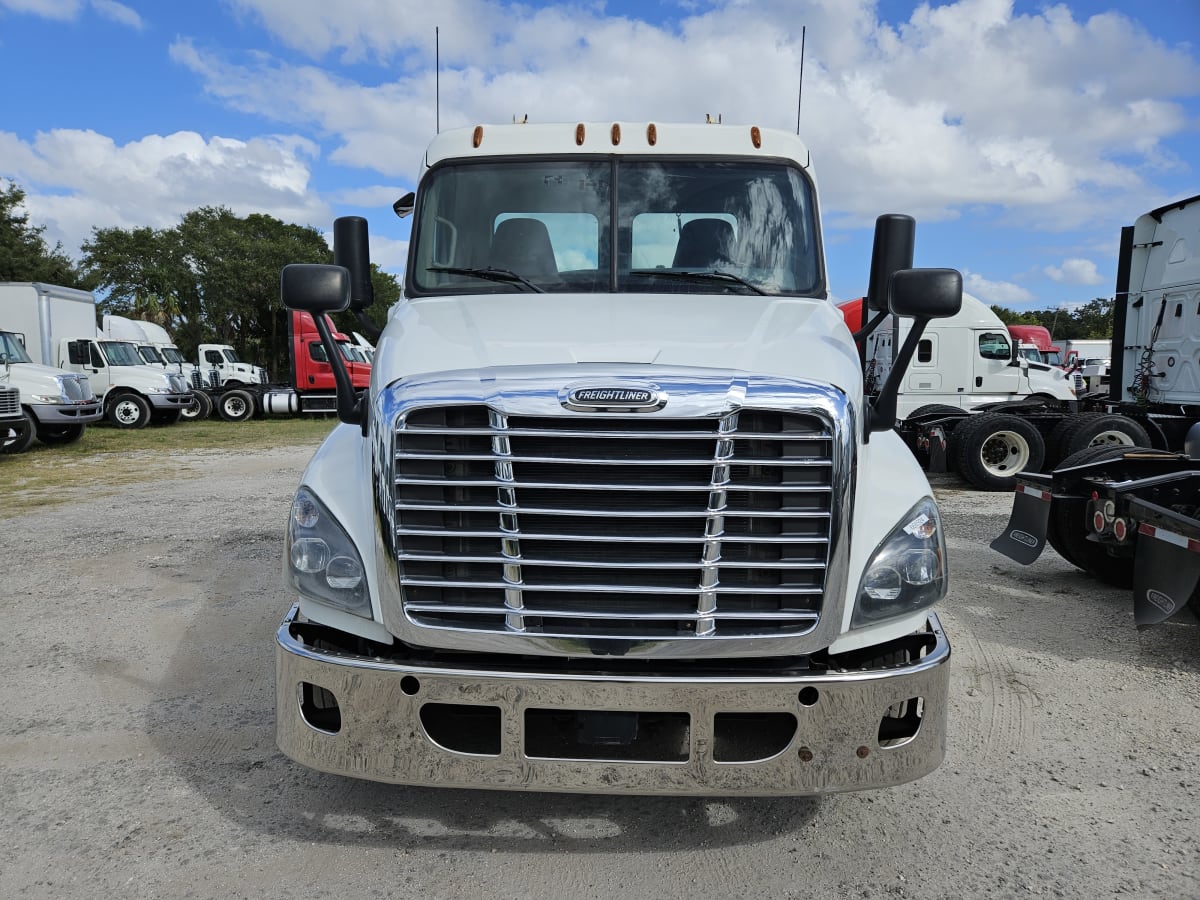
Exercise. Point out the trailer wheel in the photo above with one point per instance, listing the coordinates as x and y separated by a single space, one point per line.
235 406
17 436
129 411
56 435
990 450
1067 529
199 409
1083 430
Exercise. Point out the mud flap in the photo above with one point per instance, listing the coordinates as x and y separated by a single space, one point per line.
1165 573
1024 537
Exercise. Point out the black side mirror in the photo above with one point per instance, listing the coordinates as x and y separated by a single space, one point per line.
895 236
314 288
403 208
926 293
922 294
351 250
320 289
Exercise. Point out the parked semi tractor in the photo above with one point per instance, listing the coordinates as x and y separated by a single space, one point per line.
56 405
59 327
1129 515
615 514
966 375
1036 338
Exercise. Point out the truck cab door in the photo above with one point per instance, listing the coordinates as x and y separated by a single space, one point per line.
316 374
84 357
994 374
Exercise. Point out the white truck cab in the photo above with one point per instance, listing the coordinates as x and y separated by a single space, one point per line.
57 404
134 394
966 360
614 515
230 371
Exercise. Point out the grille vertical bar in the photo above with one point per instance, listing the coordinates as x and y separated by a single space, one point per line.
510 547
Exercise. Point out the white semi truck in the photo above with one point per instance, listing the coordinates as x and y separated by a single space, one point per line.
1128 512
59 327
615 515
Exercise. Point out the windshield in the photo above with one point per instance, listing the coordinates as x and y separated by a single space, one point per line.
230 356
149 354
657 225
11 349
172 355
121 354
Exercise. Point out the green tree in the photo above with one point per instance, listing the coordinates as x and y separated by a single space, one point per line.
24 254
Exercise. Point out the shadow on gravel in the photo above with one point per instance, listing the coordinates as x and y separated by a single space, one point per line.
213 716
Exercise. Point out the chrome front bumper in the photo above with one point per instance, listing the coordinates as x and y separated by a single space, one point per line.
391 717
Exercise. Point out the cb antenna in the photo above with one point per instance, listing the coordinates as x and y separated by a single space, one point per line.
800 93
437 82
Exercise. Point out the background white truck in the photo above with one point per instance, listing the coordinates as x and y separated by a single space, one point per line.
1130 516
59 325
615 515
56 405
966 378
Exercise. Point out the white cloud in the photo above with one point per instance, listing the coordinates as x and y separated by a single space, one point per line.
75 180
998 293
118 12
965 104
1074 271
68 10
50 9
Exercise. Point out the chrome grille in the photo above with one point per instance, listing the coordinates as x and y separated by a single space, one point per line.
613 526
10 401
77 388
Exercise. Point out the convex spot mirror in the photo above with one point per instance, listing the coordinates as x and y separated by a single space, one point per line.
925 293
315 288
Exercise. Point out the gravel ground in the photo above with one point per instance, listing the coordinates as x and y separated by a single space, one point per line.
137 757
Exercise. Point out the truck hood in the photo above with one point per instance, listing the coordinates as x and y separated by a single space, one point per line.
32 378
785 336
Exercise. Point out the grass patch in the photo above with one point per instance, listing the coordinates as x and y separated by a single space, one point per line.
106 458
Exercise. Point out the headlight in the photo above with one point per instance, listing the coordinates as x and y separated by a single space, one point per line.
908 570
56 399
158 390
322 562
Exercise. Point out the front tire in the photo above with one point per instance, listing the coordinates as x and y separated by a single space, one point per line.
16 437
991 449
199 409
57 435
129 411
235 406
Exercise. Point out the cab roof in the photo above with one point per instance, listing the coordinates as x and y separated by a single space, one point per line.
633 138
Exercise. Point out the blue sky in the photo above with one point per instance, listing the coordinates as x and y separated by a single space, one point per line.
1021 135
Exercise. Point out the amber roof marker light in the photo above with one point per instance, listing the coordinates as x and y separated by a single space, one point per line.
756 137
651 134
580 133
477 136
616 134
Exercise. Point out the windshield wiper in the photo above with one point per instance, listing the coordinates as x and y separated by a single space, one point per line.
505 276
706 275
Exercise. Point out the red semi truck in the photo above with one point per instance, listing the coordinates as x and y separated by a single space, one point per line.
310 387
1037 336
